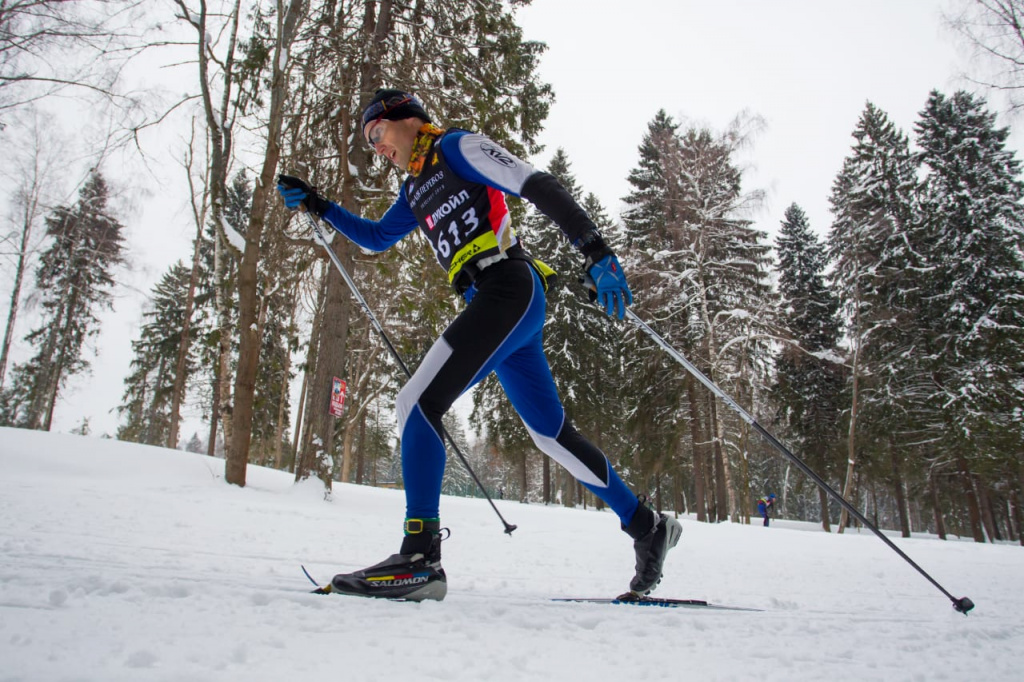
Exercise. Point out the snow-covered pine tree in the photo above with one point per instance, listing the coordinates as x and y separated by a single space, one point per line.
732 298
195 444
146 403
75 281
809 373
871 243
703 274
652 391
974 293
647 211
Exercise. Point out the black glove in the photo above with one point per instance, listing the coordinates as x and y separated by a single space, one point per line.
296 193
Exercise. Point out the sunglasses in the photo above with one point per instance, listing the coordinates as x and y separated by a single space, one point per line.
375 114
373 137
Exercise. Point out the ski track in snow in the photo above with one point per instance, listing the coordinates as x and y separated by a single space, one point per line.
127 562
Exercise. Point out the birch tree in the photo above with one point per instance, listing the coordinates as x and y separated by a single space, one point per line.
34 172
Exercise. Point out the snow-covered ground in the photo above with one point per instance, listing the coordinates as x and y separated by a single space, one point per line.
125 562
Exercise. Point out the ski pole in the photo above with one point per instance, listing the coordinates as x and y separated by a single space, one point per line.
322 240
963 604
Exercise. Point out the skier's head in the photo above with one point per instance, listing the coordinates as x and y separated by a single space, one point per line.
391 122
772 496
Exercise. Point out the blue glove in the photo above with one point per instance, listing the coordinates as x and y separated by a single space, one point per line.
298 195
612 291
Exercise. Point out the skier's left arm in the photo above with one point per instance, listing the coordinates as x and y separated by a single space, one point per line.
376 235
479 159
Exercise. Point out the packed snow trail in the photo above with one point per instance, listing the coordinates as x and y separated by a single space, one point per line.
134 563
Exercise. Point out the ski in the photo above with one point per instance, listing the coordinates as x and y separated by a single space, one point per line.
631 599
326 589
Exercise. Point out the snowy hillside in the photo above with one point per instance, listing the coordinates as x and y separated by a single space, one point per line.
124 562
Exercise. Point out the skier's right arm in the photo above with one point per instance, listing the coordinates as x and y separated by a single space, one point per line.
376 235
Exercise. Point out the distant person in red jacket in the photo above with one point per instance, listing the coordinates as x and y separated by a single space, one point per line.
765 505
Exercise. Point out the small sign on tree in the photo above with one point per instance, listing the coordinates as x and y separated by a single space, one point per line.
337 397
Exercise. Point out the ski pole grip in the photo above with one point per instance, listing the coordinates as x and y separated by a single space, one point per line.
588 281
282 179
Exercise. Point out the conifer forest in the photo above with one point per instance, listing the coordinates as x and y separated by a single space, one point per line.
886 349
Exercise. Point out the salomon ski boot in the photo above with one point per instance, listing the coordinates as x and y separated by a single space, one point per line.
414 574
653 535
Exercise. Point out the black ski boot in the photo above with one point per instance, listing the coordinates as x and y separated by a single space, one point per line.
653 536
414 574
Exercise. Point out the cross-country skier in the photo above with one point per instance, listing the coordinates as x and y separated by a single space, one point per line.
765 505
454 193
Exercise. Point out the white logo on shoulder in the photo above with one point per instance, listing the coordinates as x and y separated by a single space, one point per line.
497 155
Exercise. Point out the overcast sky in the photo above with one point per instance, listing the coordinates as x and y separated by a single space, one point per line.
807 67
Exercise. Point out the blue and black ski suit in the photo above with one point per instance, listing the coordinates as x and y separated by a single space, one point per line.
458 201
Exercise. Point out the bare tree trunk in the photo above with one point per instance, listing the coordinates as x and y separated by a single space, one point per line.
282 414
523 478
29 200
303 458
851 438
987 517
178 392
1016 517
346 454
298 419
679 502
288 16
150 436
1019 499
568 488
721 475
361 451
933 494
826 522
546 464
35 414
744 508
225 328
211 444
300 466
698 450
970 498
898 490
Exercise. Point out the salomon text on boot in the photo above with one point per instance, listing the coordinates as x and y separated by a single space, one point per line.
414 574
653 535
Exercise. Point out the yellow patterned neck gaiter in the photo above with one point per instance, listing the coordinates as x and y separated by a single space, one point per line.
428 133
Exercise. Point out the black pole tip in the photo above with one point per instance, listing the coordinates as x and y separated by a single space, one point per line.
963 605
509 527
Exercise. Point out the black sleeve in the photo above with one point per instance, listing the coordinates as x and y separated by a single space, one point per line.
553 200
